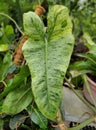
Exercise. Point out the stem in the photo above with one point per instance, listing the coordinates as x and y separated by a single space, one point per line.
13 22
4 83
60 122
83 124
80 97
39 2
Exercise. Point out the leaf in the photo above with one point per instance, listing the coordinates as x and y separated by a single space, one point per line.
87 66
16 121
9 30
9 33
34 27
7 62
82 67
1 124
1 34
90 57
48 57
24 72
93 50
1 103
88 39
3 47
12 69
38 118
17 100
59 23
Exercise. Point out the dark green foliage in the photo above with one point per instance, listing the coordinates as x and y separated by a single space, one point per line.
88 64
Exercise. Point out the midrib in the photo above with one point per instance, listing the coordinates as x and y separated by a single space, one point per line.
46 64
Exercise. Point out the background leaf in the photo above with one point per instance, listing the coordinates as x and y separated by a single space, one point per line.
7 62
21 97
1 124
18 78
38 118
3 47
17 121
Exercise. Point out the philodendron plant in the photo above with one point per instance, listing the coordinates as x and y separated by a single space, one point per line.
47 53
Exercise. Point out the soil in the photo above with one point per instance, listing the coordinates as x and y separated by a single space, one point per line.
79 48
93 77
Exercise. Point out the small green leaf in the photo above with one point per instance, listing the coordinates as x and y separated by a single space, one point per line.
24 72
89 43
12 69
38 118
93 50
1 103
1 34
4 47
17 100
16 121
1 124
9 30
7 62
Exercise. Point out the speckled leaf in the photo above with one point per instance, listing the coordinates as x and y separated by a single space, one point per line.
33 25
48 57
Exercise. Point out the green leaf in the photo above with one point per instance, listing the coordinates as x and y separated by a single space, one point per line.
18 78
34 27
7 62
1 34
12 69
3 47
17 121
87 66
1 124
9 33
38 118
59 23
82 67
9 30
8 58
17 100
93 50
89 43
48 57
90 57
1 103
